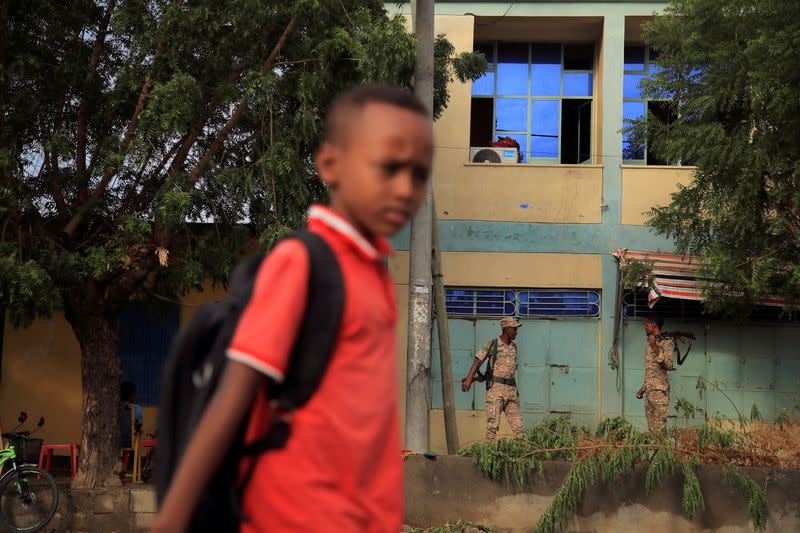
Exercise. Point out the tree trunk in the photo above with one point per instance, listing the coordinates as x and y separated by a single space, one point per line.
98 335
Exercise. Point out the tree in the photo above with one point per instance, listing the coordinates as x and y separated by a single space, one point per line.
728 70
146 144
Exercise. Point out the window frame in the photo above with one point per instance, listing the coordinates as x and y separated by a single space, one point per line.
646 72
517 302
634 307
529 98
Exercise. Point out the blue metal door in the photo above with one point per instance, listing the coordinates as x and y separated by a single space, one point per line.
557 366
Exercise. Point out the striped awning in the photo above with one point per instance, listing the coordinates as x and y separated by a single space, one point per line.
672 276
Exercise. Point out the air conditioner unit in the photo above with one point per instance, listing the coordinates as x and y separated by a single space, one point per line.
489 154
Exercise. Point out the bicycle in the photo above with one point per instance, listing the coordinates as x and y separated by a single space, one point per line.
28 494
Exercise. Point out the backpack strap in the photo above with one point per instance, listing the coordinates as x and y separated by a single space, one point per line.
316 339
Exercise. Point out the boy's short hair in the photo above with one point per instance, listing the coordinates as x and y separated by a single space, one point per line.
656 318
351 102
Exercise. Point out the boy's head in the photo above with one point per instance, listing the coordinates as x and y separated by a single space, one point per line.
128 392
376 157
653 323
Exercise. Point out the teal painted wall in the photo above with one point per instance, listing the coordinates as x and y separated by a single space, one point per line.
557 371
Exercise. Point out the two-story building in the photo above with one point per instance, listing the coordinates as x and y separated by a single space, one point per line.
537 238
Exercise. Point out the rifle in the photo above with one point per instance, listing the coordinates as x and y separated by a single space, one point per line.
491 357
683 337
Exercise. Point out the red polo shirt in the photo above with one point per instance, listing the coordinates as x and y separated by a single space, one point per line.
341 470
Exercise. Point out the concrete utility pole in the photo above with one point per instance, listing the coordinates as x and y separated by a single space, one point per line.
420 281
448 398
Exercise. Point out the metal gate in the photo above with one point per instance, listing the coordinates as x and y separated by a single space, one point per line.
557 374
744 365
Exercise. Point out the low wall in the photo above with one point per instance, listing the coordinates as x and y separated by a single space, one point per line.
451 488
128 509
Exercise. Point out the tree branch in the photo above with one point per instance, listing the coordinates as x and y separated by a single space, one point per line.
83 108
241 109
130 132
134 202
210 109
54 173
3 46
119 290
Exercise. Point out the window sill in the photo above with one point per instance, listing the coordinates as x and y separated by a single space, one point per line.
534 165
670 167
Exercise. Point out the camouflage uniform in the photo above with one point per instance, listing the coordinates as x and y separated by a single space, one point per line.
501 397
656 383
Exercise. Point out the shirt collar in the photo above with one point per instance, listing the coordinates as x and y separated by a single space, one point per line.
375 250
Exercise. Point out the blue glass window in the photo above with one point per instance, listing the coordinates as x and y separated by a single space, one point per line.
487 49
522 302
545 124
546 70
632 111
511 114
578 84
634 58
630 86
512 69
529 84
484 86
640 64
559 303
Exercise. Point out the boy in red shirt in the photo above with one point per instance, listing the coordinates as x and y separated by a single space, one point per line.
341 469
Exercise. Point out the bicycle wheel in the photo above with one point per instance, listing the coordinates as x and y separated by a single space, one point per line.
28 499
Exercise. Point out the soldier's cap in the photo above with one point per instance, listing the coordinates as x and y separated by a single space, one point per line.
510 322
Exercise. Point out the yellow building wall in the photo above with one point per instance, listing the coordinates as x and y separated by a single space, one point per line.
42 374
501 269
646 187
471 429
516 193
513 193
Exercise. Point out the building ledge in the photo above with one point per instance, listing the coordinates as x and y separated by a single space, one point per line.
531 165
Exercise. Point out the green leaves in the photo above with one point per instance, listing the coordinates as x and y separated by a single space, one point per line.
692 499
612 452
173 105
725 68
174 206
754 494
27 289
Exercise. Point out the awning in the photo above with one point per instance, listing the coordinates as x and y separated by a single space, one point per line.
672 276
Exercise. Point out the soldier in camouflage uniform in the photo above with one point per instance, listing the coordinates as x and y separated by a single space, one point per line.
502 394
657 362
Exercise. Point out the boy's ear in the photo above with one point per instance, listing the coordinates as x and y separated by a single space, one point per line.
327 159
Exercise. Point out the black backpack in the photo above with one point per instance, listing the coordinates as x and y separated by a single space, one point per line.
198 357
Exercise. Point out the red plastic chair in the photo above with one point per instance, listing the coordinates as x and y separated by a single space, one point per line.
46 455
137 461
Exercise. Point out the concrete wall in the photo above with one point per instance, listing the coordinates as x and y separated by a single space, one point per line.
516 193
128 509
452 488
646 187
